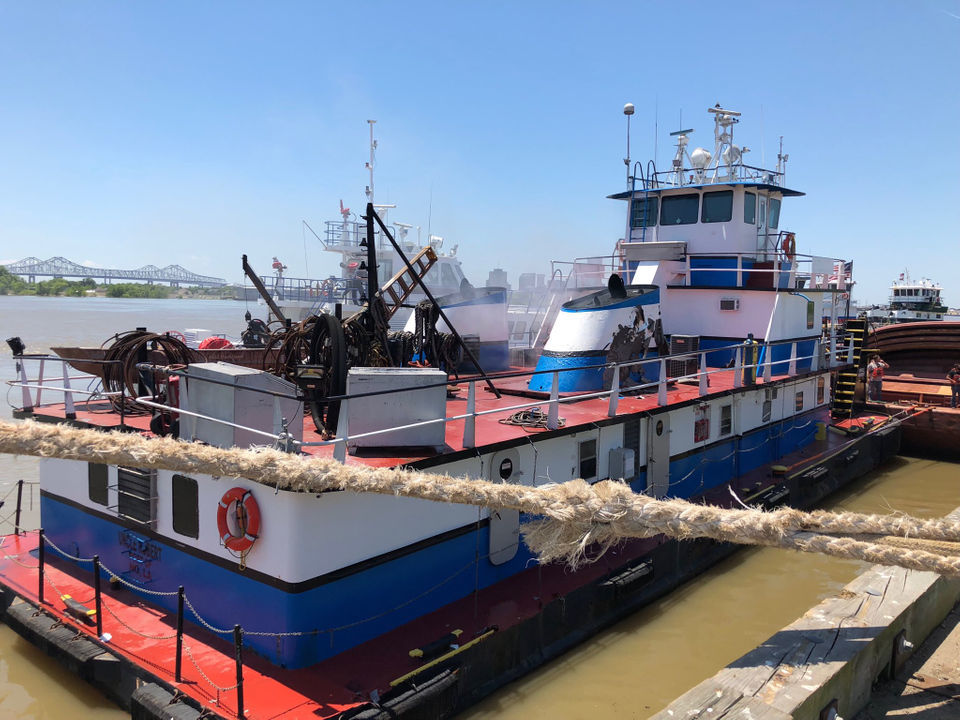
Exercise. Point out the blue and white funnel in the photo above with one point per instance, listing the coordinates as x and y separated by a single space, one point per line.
616 324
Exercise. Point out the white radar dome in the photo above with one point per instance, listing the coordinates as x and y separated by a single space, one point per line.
700 158
732 155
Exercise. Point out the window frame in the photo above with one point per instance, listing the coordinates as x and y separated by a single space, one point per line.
729 207
773 215
192 529
585 459
726 419
652 203
103 484
798 401
753 210
675 199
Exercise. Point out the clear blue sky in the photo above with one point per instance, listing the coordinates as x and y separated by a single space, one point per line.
193 132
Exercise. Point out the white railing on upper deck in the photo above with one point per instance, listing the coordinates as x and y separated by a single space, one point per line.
824 355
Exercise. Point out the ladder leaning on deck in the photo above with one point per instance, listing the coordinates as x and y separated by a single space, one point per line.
398 288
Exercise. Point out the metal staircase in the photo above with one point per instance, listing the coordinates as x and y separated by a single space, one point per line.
843 394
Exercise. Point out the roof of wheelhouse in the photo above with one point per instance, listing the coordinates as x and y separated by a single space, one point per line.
786 192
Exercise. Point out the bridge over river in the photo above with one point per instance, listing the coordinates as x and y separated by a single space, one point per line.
59 267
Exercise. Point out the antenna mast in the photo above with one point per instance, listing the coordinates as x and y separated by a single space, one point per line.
373 146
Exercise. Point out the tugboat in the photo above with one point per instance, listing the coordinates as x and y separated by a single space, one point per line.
700 371
910 301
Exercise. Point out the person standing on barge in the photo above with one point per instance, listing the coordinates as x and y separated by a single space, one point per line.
954 377
875 378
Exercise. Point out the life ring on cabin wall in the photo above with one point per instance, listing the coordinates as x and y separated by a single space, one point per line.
788 246
247 517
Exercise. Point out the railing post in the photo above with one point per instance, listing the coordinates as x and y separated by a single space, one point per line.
24 390
470 423
40 560
553 414
96 594
662 384
704 377
850 351
792 367
238 645
614 392
833 347
815 356
343 432
179 675
39 384
767 362
70 411
16 522
738 367
123 403
739 270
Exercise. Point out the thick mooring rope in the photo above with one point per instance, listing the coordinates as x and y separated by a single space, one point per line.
575 515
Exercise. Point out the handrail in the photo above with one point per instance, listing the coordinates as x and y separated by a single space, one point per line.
761 372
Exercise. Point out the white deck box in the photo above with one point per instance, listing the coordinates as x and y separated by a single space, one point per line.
405 401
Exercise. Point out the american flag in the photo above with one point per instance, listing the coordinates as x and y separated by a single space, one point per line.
842 273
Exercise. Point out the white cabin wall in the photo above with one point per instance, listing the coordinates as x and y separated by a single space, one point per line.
697 312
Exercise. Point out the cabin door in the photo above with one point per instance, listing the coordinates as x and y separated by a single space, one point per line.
504 522
658 455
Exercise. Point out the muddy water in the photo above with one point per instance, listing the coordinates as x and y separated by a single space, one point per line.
630 671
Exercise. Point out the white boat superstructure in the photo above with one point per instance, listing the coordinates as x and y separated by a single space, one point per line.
910 301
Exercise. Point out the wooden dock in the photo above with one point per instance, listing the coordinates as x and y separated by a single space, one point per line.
825 664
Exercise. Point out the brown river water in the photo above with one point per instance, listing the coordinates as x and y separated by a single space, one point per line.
632 670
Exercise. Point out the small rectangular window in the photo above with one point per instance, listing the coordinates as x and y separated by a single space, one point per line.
774 218
750 208
643 212
136 494
186 507
811 316
761 218
679 209
97 483
767 410
820 390
717 206
799 401
588 459
726 419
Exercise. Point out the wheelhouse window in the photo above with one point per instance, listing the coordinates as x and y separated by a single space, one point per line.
643 212
186 507
679 209
587 452
97 483
717 206
749 207
774 213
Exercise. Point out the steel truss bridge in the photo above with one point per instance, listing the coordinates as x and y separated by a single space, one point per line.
59 267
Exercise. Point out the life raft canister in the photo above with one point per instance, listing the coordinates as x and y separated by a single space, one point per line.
248 519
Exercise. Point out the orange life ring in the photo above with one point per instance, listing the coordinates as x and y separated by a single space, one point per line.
789 246
248 519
